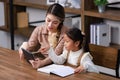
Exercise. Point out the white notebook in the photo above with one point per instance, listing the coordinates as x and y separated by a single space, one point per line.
60 70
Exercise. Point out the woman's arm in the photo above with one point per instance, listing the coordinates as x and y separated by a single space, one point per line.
30 44
33 40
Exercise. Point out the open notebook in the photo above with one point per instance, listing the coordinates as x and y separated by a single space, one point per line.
60 70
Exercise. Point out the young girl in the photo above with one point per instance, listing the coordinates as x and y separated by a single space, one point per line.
74 53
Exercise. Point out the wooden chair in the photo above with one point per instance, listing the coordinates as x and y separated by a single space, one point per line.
106 57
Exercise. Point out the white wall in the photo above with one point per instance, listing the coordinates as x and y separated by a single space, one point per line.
5 40
37 15
2 16
19 40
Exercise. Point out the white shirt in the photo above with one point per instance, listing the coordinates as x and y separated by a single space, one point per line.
74 56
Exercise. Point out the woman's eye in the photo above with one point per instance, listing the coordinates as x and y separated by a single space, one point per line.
55 22
48 20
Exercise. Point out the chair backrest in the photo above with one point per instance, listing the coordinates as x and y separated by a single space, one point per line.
106 56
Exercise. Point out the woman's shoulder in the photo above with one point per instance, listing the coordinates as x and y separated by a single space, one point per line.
42 28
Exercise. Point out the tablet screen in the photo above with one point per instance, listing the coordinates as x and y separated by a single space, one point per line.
28 55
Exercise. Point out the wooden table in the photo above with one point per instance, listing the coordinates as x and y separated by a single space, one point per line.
12 69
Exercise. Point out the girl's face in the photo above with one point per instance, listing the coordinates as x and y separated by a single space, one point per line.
52 22
69 44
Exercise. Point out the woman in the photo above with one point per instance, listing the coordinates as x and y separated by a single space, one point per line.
52 31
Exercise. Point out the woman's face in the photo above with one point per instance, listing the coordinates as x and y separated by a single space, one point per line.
69 44
52 22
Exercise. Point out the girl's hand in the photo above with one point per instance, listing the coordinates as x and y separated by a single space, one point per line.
80 69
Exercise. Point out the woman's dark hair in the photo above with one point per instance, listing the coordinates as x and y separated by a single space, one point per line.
58 11
76 35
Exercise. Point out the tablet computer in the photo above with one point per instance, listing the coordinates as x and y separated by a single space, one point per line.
38 55
28 55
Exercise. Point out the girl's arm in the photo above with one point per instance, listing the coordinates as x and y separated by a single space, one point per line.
58 59
86 62
80 69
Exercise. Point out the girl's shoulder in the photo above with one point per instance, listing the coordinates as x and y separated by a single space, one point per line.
65 50
87 55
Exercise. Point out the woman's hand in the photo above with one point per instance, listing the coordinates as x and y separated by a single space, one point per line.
24 45
44 49
80 69
36 63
